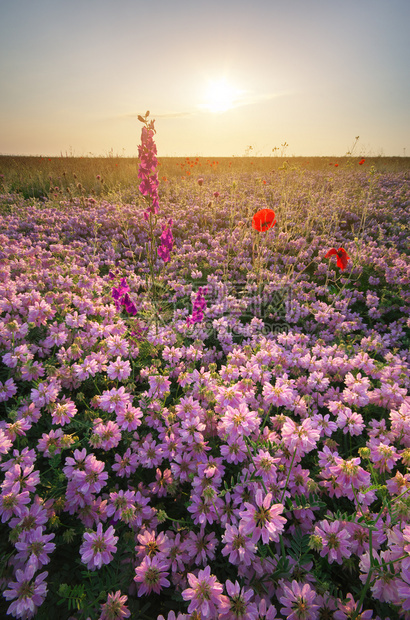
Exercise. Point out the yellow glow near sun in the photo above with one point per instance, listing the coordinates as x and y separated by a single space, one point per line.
220 96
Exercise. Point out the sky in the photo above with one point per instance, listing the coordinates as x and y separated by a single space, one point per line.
220 77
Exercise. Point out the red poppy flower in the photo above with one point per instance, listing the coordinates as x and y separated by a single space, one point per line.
342 257
361 162
263 220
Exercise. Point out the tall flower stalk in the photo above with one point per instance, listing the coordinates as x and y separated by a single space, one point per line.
147 173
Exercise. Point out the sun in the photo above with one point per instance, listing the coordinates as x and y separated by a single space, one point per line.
220 96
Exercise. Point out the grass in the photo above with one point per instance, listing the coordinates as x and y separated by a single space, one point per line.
62 177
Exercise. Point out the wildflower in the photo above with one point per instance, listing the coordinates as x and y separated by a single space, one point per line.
238 545
105 436
198 307
29 595
264 521
346 610
7 389
342 257
151 544
300 437
13 504
298 602
122 298
35 546
115 400
147 169
126 464
335 540
280 395
263 220
200 547
238 605
167 242
120 369
130 418
89 476
51 443
115 608
62 411
151 573
205 594
5 443
98 547
200 182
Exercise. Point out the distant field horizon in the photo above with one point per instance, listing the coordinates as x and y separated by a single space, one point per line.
65 177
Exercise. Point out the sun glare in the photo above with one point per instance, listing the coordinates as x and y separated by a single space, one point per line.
220 97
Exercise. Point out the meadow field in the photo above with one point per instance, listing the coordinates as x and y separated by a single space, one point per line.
204 388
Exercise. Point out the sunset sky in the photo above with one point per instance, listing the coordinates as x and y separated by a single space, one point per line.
218 76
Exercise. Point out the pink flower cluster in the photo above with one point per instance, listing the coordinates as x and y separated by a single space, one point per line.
167 242
121 296
196 468
147 168
198 307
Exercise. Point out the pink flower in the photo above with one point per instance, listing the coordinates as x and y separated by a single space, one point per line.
152 544
63 411
280 395
34 547
383 456
298 602
7 390
126 464
151 573
120 369
350 421
5 443
198 307
335 540
239 420
29 595
167 242
240 547
147 169
13 504
238 605
98 547
264 521
115 608
300 437
106 436
205 594
129 419
345 611
115 400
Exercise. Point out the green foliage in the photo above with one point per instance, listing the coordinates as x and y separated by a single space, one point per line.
73 597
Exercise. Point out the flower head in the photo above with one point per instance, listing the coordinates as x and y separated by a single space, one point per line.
115 608
98 547
342 257
264 520
147 169
28 594
299 602
263 220
205 594
152 574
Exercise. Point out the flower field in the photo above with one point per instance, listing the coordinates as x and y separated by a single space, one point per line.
205 395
